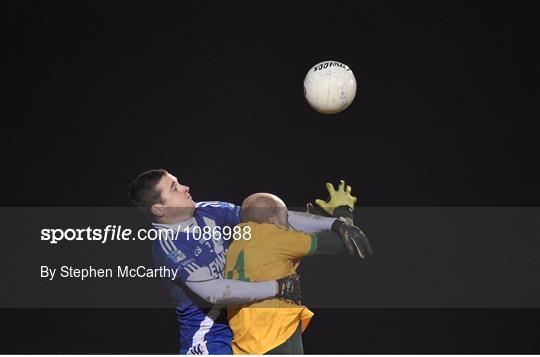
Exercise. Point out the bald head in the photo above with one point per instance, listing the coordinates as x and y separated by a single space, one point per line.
264 208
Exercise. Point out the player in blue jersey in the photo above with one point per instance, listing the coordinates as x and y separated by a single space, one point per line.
200 291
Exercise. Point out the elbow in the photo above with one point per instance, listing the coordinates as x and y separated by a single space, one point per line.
211 299
219 295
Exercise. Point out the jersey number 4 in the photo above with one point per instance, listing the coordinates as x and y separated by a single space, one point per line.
239 268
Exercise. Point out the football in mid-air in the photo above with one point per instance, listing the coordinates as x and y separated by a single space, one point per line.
329 87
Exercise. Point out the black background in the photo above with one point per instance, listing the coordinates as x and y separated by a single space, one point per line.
446 114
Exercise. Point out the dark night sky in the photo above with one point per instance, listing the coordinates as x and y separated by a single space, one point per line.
446 114
446 111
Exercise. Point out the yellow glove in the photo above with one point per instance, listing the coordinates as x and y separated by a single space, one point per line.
341 197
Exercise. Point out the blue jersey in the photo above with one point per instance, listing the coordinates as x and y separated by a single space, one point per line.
203 328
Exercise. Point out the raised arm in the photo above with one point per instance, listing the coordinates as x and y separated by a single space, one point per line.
309 223
228 291
236 292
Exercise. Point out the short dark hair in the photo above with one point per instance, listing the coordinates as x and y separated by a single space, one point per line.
144 192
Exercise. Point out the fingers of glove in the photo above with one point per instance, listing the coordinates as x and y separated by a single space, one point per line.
355 249
324 205
341 185
365 246
369 250
358 249
348 190
330 188
351 244
295 280
293 290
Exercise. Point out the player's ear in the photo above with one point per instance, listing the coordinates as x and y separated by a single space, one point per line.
157 210
273 219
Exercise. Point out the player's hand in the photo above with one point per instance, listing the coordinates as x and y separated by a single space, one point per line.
289 289
340 197
353 238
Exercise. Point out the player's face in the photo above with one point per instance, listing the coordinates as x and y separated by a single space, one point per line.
175 198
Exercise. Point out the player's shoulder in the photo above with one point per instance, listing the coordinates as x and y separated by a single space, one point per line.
270 229
215 204
213 208
171 239
171 251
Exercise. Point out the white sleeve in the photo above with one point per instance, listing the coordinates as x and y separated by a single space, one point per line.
309 223
228 291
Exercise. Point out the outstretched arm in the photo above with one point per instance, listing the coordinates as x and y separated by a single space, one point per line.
236 292
309 223
228 291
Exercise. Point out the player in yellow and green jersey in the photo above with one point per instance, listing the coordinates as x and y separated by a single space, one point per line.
274 250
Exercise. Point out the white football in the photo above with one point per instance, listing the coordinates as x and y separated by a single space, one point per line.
330 87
